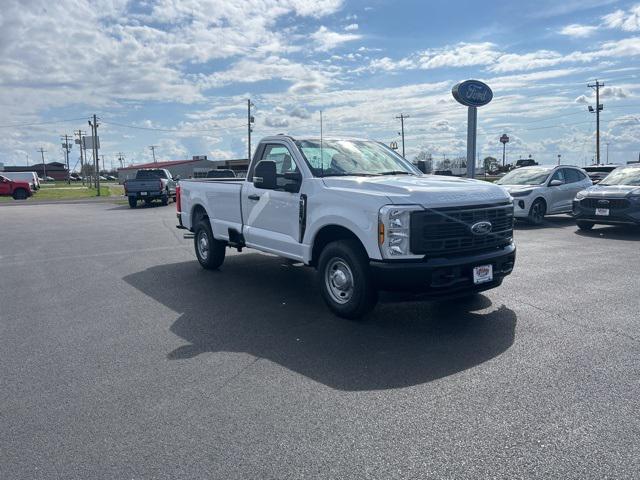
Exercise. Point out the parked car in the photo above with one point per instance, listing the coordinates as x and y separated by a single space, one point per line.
111 178
151 184
598 172
49 179
613 201
543 190
18 189
525 162
31 177
363 216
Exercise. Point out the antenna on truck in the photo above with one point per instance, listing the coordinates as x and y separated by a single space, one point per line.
321 151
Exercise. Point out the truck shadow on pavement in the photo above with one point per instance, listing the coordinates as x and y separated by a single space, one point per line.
607 232
271 309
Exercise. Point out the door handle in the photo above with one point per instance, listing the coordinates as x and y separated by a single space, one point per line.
254 197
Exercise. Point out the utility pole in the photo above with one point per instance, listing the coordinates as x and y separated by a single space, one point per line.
67 146
121 159
559 156
250 121
153 152
596 86
44 165
79 142
401 117
607 152
96 158
27 159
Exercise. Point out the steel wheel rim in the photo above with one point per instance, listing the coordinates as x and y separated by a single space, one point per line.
203 245
339 280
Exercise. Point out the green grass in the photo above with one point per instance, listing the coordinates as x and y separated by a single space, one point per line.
60 193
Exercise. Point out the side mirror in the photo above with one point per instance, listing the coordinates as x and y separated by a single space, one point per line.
556 183
264 175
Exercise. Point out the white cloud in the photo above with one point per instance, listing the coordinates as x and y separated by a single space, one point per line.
582 99
351 27
328 40
276 122
300 112
460 55
628 21
578 31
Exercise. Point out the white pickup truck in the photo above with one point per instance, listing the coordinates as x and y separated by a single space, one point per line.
363 216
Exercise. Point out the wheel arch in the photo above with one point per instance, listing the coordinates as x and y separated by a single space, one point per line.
331 233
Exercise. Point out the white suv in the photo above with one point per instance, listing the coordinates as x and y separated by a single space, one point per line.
543 190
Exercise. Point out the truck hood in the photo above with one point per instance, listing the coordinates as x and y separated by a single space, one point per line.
611 191
427 190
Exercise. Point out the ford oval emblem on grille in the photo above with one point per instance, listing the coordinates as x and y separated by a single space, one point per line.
481 228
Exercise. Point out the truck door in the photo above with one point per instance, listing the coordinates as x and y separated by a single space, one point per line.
270 217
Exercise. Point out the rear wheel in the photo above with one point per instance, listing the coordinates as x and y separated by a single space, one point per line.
582 225
165 198
537 211
345 281
210 252
20 194
133 202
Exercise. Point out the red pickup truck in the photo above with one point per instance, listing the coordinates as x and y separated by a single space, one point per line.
18 189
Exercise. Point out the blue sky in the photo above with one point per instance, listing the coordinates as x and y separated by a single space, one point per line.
177 74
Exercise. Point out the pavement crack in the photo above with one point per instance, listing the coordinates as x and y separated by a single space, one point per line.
583 325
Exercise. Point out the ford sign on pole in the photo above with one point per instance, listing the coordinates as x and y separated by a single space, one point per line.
473 94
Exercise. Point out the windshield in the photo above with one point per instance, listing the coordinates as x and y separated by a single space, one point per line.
529 176
623 176
353 157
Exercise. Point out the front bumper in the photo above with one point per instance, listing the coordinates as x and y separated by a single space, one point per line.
617 216
443 277
521 206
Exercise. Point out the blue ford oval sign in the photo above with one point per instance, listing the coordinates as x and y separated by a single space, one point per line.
472 93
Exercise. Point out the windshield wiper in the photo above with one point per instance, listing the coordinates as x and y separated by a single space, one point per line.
351 174
395 172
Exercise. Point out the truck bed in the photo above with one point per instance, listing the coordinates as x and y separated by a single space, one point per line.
144 185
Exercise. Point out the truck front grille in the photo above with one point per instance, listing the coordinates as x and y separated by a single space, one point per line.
613 203
447 231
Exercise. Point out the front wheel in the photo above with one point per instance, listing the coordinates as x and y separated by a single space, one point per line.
210 252
537 212
20 194
165 199
345 281
582 225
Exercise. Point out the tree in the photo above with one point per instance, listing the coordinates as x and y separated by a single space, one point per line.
490 164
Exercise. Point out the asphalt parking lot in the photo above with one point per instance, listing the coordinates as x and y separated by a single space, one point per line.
121 358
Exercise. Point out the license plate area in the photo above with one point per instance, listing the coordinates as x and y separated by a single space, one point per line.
602 212
144 194
482 274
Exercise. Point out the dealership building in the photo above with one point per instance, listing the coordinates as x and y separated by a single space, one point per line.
197 167
54 170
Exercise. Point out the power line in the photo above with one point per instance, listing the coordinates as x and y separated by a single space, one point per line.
173 130
41 123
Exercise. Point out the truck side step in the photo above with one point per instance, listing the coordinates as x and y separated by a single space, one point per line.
188 236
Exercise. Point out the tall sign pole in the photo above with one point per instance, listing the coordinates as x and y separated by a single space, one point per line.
472 94
504 139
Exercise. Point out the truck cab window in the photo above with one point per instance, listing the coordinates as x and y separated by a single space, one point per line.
282 158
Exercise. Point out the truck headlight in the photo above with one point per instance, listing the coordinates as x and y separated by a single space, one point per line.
521 193
394 230
580 195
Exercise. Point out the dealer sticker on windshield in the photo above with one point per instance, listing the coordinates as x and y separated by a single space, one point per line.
482 274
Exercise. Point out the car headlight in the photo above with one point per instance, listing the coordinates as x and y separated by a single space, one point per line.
521 193
394 231
580 195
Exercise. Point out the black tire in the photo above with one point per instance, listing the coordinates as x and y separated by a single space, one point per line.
165 199
133 202
582 225
345 280
20 194
148 201
537 212
210 252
